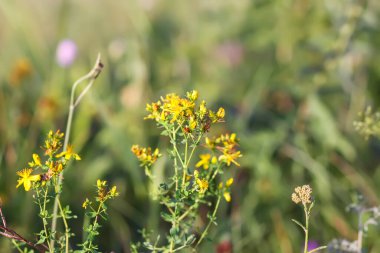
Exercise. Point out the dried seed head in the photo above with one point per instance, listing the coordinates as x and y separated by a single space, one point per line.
302 194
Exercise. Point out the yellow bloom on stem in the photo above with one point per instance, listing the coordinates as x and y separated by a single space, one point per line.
227 196
229 158
205 161
229 182
101 184
113 192
26 178
221 113
193 95
202 109
86 203
68 153
202 184
36 161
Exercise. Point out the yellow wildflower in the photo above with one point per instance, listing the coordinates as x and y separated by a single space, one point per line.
101 183
202 184
205 161
229 158
192 123
202 109
36 161
113 192
220 113
68 153
193 95
145 155
26 178
229 182
86 203
227 196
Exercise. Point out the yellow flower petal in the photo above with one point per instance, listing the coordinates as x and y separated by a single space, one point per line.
229 182
227 196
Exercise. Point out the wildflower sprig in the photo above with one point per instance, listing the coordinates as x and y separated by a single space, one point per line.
302 194
42 177
49 169
192 183
94 212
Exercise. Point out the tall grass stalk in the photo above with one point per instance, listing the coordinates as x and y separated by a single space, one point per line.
74 102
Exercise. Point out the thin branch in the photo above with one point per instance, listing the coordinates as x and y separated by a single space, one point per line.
2 216
9 233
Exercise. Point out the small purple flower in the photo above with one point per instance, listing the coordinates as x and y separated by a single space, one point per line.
312 245
66 53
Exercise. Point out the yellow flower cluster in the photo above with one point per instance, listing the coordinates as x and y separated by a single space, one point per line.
226 144
302 194
53 165
184 112
103 193
205 160
145 155
201 182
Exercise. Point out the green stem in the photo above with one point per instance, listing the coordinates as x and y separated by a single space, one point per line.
95 221
185 163
306 228
45 221
66 227
91 76
17 246
319 248
42 211
192 151
187 212
209 223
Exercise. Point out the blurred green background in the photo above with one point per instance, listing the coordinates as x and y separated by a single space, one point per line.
292 75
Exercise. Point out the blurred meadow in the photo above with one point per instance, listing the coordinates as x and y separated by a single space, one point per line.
292 75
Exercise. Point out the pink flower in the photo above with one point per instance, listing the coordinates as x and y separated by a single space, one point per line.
66 53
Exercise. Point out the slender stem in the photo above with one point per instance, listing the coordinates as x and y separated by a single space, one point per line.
17 246
306 228
192 151
9 233
187 212
185 163
95 221
319 248
92 75
2 217
66 226
44 221
209 223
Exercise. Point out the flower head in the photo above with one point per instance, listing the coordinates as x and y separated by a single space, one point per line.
230 157
68 154
302 194
26 178
202 184
145 155
66 53
205 161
